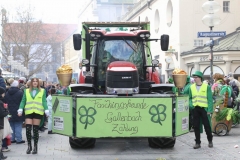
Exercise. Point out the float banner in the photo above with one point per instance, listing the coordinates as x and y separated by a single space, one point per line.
62 115
182 115
124 117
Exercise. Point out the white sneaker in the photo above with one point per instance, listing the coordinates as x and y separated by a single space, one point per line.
5 149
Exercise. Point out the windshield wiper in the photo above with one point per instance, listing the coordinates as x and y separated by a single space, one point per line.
129 44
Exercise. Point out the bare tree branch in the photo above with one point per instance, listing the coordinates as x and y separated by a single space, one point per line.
28 41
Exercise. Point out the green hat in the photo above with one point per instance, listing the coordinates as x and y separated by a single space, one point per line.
199 74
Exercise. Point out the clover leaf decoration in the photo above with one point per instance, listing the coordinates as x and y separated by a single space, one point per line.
158 113
86 115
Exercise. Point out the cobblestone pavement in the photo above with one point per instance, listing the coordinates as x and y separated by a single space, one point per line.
56 147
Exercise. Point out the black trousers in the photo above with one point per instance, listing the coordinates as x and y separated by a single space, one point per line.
200 113
191 119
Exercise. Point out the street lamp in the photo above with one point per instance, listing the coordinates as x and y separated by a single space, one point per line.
211 20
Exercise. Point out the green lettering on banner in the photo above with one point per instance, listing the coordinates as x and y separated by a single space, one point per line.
124 117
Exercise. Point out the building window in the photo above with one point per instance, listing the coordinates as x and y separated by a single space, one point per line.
169 13
226 5
198 42
156 21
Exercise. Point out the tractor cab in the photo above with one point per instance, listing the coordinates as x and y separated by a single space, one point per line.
118 61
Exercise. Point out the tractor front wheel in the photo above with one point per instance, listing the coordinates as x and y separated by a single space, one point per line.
82 142
161 142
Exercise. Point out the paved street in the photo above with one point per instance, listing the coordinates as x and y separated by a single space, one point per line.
56 147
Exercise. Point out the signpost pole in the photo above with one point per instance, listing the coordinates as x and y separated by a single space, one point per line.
211 60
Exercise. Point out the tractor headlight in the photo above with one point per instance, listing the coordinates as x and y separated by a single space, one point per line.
92 35
144 35
98 35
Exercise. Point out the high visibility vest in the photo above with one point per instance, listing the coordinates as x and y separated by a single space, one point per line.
34 105
199 98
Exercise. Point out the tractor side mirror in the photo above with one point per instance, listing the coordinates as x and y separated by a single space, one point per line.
77 41
164 42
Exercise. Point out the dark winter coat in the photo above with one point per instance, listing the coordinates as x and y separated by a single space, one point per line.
2 83
13 98
3 113
236 90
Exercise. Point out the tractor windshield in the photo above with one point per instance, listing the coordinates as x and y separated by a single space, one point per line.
119 50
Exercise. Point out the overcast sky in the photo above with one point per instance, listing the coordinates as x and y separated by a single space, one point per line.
50 11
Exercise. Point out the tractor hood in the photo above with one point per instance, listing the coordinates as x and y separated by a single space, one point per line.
122 78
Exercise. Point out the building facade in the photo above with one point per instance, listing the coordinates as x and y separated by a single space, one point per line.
226 57
181 20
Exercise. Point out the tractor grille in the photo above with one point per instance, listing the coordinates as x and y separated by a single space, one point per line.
120 79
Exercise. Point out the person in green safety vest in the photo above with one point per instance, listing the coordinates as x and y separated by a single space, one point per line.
34 105
201 101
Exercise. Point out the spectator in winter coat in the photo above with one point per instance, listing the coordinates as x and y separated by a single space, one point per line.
21 83
234 87
2 82
3 113
58 89
48 88
13 98
230 103
8 83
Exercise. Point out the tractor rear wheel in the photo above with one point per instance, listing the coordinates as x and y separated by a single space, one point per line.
82 142
161 142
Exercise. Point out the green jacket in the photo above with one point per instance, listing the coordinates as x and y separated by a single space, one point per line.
68 90
24 99
186 88
175 90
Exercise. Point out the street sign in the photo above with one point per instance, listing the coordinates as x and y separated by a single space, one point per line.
212 34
